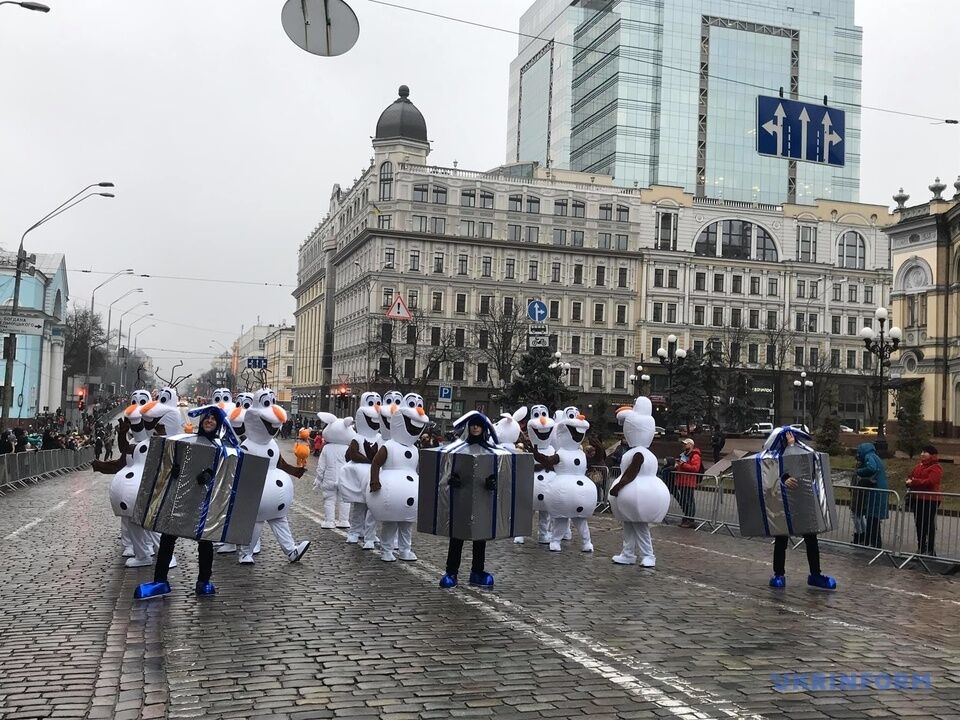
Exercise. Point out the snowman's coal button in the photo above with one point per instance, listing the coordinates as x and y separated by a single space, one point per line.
143 448
576 461
540 477
128 475
243 447
579 509
410 502
279 483
408 454
270 452
540 496
410 478
281 506
123 506
579 482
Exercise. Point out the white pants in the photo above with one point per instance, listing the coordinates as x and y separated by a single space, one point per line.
333 511
125 540
362 522
142 541
397 533
637 542
560 527
281 530
543 527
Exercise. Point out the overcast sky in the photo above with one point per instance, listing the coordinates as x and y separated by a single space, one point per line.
224 138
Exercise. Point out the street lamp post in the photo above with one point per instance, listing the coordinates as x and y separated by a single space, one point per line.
139 332
562 368
883 345
671 357
125 312
38 7
638 380
803 385
110 309
93 295
23 263
123 367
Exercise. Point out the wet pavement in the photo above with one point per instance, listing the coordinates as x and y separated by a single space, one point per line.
563 635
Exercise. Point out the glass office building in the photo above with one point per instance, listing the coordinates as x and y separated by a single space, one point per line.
665 91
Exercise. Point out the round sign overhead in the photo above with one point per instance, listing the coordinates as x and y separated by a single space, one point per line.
321 27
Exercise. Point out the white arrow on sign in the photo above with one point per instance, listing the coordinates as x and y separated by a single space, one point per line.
830 138
775 127
804 121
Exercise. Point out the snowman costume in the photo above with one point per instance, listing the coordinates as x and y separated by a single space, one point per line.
125 486
541 432
508 431
223 399
262 423
355 478
241 404
337 436
395 481
638 497
571 494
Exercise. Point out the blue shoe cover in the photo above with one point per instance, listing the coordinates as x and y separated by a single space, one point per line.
778 581
145 591
481 579
206 588
448 581
824 582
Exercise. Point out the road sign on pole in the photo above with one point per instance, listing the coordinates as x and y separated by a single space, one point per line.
800 131
537 330
21 325
537 311
398 310
538 341
257 363
446 392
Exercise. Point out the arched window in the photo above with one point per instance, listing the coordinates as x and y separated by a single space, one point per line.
851 250
386 181
707 242
735 239
58 306
766 250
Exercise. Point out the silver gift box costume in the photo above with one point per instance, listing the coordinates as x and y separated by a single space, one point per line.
173 500
469 510
767 507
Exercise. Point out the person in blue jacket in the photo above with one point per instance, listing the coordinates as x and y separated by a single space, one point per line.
870 497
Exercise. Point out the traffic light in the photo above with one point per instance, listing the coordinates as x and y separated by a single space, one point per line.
81 395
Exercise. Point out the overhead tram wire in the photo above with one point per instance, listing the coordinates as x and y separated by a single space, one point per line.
153 276
485 26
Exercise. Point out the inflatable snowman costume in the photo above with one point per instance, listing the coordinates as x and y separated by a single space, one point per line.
508 431
355 478
138 544
262 421
337 436
540 431
395 481
570 494
638 497
241 403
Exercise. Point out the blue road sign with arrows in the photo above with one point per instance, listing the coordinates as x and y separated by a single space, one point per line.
537 311
801 131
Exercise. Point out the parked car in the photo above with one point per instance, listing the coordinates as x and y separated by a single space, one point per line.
845 429
869 430
659 431
801 427
760 430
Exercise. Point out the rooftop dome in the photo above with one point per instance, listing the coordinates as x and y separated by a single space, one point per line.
402 120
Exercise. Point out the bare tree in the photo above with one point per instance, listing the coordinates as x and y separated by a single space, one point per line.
780 341
824 394
728 354
501 337
409 353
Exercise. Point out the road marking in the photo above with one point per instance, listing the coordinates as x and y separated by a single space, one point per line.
527 623
914 594
715 552
36 521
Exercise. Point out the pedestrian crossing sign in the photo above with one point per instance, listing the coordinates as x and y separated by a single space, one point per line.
398 310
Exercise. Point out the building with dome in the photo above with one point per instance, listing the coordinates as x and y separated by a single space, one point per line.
773 289
925 243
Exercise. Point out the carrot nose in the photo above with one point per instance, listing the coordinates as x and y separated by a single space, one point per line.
420 412
235 414
581 417
279 413
543 420
130 408
393 409
149 406
377 408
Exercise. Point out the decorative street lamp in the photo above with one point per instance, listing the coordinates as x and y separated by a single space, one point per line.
671 357
803 385
562 368
38 7
638 380
883 346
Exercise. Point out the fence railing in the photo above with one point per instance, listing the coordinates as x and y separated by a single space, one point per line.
870 518
18 470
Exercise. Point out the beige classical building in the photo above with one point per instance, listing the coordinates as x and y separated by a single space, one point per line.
278 349
925 241
619 270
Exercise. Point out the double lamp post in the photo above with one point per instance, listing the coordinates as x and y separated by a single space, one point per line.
882 344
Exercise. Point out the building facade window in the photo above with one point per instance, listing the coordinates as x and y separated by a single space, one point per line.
851 250
560 208
576 238
737 285
554 309
461 302
699 314
386 181
468 198
533 204
576 311
559 236
509 269
621 277
514 233
438 225
439 195
486 200
621 350
468 228
482 373
736 239
485 302
579 209
533 270
601 276
700 281
420 223
621 314
437 302
578 274
413 299
486 266
666 230
462 264
623 213
806 243
414 263
597 378
598 312
420 193
718 283
598 346
658 312
532 234
603 240
486 230
606 212
438 262
658 278
384 222
458 370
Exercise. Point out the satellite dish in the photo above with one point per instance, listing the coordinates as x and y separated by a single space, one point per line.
321 27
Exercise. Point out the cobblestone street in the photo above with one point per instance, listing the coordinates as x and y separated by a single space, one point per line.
342 634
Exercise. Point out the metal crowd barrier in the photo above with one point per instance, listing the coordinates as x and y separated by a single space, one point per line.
704 499
603 479
17 470
936 529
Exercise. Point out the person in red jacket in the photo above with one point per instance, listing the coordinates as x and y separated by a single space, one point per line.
317 444
686 475
924 486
